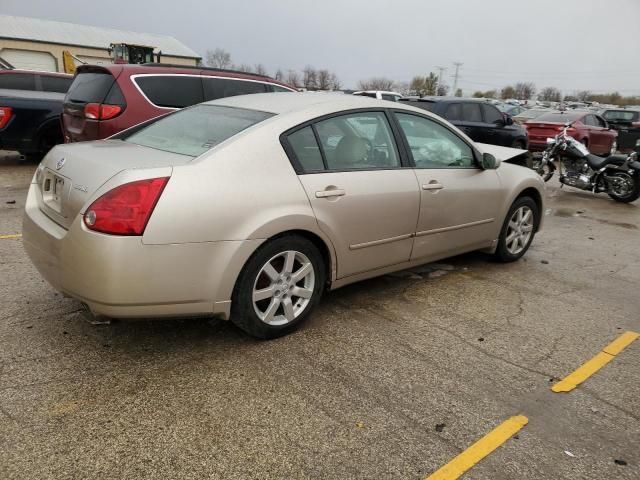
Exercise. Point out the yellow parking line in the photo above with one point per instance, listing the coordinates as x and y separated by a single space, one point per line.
590 367
483 447
13 235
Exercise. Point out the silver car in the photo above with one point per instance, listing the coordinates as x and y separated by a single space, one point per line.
250 207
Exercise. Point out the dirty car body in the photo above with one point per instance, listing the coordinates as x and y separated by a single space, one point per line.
251 206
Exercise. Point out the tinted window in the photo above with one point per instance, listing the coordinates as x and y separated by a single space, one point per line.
453 112
619 115
226 87
434 146
171 91
471 112
304 145
492 114
195 130
18 81
391 98
359 140
90 87
55 84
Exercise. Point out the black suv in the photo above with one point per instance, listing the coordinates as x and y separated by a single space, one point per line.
480 120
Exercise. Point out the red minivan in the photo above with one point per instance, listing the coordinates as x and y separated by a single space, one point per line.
104 100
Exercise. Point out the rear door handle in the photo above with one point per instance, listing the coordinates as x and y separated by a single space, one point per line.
432 186
338 192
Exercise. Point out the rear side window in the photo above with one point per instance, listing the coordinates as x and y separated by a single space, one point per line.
304 145
90 87
55 84
195 130
18 81
471 112
171 91
215 88
453 112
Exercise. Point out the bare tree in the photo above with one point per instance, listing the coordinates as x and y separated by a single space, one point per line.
244 68
259 69
583 95
507 92
550 94
403 88
376 83
293 78
324 79
478 94
279 75
336 84
491 94
443 90
458 92
310 78
525 90
218 58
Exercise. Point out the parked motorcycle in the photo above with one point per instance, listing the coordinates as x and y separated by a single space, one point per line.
616 175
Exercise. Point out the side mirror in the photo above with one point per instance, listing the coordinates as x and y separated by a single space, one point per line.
489 162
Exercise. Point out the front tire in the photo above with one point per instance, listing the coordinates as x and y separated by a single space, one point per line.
278 287
518 230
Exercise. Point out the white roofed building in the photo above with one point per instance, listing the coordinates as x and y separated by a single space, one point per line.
36 44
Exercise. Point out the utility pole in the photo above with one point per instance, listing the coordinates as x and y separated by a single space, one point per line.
455 76
440 77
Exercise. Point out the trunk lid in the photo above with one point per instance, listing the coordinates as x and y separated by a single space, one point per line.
70 174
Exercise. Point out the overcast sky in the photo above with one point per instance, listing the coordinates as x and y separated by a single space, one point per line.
569 44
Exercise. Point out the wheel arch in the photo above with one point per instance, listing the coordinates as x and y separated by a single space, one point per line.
535 195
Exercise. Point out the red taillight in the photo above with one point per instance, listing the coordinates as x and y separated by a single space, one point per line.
5 115
98 111
126 209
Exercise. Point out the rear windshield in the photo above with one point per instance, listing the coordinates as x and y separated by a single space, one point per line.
90 87
195 130
560 117
624 115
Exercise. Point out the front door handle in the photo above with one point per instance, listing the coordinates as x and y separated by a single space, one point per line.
336 192
432 186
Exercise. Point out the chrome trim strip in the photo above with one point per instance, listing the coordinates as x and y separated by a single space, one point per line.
358 246
454 227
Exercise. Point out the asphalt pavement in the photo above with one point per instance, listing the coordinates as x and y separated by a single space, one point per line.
391 378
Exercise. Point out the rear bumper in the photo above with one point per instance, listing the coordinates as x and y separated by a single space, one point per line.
123 277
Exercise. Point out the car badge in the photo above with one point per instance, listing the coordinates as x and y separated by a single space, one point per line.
60 163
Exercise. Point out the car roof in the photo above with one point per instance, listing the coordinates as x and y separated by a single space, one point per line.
289 102
163 69
38 72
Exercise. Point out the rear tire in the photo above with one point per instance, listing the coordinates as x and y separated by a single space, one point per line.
632 196
279 287
518 230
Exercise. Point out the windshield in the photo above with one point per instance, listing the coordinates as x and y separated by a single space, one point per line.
623 115
195 130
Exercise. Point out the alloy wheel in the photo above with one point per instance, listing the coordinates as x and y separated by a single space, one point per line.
283 288
519 230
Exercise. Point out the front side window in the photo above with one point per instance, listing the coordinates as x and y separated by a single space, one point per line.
434 146
471 112
195 130
453 112
492 114
358 141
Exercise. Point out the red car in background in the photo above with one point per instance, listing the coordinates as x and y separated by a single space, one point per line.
104 100
587 127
